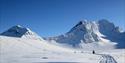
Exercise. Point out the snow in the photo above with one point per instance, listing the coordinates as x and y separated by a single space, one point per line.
87 33
117 54
107 59
20 50
21 45
21 32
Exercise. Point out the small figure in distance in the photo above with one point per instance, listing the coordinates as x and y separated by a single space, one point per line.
93 52
74 51
82 52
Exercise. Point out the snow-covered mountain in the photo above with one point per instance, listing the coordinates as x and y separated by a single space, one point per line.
92 34
21 32
85 34
112 32
17 45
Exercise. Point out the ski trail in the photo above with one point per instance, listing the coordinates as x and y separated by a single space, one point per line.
107 59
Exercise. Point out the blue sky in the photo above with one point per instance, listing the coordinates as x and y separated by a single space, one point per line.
55 17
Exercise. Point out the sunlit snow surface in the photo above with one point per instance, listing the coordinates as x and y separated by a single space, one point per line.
21 50
94 34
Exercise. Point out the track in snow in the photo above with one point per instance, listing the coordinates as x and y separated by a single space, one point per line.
107 59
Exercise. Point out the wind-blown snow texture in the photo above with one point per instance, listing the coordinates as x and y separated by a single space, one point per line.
89 34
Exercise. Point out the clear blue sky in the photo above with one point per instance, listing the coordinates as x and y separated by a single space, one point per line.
55 17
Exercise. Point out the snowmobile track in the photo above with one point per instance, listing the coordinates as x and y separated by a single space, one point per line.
107 59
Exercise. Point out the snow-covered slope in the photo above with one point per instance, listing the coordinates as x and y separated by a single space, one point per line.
15 50
92 34
21 32
112 32
20 50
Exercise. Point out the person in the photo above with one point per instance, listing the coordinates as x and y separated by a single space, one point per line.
93 52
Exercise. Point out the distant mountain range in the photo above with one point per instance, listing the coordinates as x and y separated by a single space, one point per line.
85 34
89 34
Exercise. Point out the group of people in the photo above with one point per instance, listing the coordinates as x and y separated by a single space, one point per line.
93 51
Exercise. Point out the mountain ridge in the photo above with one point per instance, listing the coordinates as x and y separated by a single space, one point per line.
89 32
85 34
21 32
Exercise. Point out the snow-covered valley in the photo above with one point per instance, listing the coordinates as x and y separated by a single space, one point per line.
20 50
